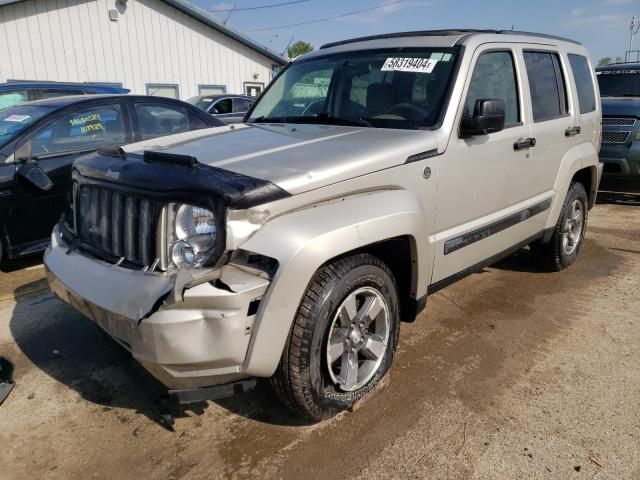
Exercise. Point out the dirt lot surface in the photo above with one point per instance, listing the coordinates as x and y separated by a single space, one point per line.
510 373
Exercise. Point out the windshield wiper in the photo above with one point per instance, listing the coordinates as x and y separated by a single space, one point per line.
265 119
329 118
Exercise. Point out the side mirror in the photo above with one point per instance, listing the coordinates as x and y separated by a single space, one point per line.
31 172
488 117
29 169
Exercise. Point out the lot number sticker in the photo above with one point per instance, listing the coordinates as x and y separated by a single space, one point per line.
17 118
417 65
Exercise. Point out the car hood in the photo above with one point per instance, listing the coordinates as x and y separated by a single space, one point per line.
621 106
295 157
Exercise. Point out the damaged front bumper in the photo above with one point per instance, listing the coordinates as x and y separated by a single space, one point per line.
186 337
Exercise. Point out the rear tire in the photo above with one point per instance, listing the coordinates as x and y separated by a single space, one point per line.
342 340
568 235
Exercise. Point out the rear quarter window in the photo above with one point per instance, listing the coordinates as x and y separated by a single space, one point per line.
584 82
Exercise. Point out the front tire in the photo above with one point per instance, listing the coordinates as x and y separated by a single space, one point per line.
568 235
343 338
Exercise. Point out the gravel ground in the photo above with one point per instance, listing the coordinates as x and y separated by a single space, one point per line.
509 373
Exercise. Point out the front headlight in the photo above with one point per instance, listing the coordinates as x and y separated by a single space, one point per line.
192 235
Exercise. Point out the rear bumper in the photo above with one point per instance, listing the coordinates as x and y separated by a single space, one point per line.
197 341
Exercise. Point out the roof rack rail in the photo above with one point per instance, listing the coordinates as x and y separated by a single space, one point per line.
462 32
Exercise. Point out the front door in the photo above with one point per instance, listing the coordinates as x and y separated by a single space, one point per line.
473 189
54 147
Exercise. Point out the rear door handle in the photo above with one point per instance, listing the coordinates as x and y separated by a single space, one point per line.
524 143
571 131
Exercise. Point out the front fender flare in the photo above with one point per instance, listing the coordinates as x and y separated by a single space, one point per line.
304 240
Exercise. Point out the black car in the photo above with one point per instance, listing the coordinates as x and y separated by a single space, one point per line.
228 108
17 93
40 140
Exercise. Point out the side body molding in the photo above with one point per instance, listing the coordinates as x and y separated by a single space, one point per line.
303 241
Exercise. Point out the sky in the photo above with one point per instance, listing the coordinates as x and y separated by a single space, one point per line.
601 25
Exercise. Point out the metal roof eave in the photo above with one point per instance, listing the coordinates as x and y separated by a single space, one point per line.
203 16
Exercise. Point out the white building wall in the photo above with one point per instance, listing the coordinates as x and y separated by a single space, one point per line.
151 42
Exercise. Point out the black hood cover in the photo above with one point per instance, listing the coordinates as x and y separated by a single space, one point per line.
169 174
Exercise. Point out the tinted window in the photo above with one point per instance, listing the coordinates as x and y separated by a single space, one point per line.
156 120
222 106
13 97
83 130
494 76
584 83
196 123
546 83
241 105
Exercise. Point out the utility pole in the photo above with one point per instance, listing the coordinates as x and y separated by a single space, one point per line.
633 29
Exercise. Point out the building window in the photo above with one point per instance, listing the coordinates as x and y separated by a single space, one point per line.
163 90
206 90
253 89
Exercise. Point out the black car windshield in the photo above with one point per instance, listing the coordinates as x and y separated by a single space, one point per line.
394 88
15 119
619 83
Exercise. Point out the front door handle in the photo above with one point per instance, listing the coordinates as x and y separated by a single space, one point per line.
524 143
571 131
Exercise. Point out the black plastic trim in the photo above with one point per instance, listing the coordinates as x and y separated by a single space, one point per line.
435 287
474 236
422 156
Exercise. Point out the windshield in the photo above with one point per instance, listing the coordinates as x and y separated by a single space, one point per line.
619 83
15 119
396 88
200 102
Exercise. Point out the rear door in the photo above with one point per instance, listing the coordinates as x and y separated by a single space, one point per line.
55 146
552 111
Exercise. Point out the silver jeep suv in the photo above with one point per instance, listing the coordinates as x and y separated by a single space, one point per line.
370 173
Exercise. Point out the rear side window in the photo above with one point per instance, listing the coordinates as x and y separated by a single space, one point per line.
584 82
241 105
546 83
156 120
494 76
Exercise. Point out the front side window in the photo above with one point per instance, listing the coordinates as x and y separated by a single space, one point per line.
86 129
222 106
546 84
584 82
494 76
393 88
156 120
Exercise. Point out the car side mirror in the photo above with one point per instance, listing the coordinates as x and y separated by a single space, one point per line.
31 172
488 117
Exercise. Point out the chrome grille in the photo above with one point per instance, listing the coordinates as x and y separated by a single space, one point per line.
118 225
614 137
619 122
